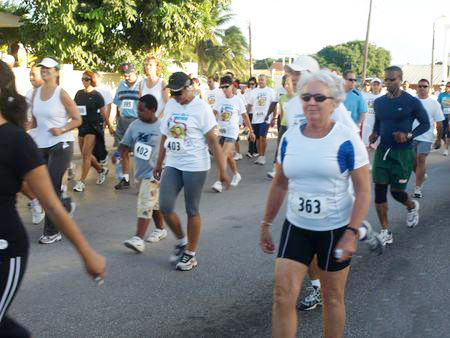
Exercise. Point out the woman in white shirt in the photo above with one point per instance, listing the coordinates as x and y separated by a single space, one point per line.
56 115
187 127
316 161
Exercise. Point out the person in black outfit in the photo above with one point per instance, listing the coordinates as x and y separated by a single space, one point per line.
21 161
93 112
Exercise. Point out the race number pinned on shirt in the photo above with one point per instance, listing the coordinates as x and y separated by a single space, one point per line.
127 104
174 145
142 151
82 109
307 206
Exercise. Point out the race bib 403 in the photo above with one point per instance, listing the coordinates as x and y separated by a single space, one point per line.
174 145
313 207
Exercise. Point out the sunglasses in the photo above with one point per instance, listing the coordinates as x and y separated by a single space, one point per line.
317 97
422 86
225 87
177 93
390 79
86 79
351 80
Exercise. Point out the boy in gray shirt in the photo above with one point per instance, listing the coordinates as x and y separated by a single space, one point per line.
142 137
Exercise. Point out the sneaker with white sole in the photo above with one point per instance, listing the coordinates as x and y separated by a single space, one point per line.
271 174
386 237
50 239
177 253
249 155
312 300
79 186
37 213
217 186
372 238
135 243
187 262
238 157
101 178
418 192
261 160
235 180
412 219
157 235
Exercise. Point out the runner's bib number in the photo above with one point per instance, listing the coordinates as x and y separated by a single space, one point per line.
83 111
174 145
127 104
309 206
142 151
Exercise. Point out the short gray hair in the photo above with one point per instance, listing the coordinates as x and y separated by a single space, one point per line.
332 81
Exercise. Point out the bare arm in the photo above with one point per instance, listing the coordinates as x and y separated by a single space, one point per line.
103 111
248 124
39 182
439 129
161 155
166 92
72 111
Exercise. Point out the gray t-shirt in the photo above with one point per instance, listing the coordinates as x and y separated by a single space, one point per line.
143 139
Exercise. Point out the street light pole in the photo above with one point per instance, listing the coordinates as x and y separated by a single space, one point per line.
432 51
366 46
250 47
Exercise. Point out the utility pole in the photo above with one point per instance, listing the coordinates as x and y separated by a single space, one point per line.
250 47
366 46
432 51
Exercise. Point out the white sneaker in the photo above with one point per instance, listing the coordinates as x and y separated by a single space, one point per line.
135 243
237 157
37 213
249 155
261 160
79 186
386 237
235 180
445 152
271 174
101 178
157 235
187 262
217 186
418 192
50 239
412 218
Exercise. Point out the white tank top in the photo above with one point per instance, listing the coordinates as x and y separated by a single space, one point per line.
156 91
50 114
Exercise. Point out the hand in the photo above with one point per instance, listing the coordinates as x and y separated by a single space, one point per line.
400 137
373 138
95 264
348 244
157 172
56 131
225 179
265 240
252 136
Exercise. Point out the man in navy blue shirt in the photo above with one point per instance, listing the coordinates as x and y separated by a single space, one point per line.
395 113
354 100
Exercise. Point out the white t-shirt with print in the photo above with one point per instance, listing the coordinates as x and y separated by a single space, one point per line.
229 112
260 100
318 170
435 114
185 127
212 95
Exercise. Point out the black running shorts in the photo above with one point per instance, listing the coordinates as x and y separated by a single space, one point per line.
301 245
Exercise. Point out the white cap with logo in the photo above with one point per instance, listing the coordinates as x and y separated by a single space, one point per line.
304 63
49 63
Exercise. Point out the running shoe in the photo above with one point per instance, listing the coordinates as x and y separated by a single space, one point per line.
445 152
123 184
237 157
157 235
37 213
187 262
271 174
79 186
372 238
101 178
235 180
312 300
386 237
412 218
217 186
418 192
177 253
50 239
135 243
249 155
261 160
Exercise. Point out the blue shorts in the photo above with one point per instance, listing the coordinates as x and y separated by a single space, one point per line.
421 147
260 129
223 139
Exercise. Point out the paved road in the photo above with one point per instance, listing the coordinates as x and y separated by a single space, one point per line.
403 293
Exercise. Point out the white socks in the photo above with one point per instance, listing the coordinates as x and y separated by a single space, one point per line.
316 283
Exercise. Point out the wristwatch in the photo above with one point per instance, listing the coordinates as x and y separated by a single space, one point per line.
409 136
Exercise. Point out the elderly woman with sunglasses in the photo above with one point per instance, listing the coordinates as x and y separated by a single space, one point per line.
92 109
316 162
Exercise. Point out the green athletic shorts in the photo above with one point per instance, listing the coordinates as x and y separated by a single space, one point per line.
393 167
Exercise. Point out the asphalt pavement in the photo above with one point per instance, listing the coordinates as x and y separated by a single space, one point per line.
402 293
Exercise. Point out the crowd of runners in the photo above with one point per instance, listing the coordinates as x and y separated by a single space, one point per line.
335 142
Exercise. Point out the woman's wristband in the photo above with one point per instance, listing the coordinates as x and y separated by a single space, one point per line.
266 223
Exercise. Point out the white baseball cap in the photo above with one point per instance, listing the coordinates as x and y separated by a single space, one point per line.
49 63
304 63
376 80
9 59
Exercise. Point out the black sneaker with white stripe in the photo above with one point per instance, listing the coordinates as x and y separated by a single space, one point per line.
187 262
